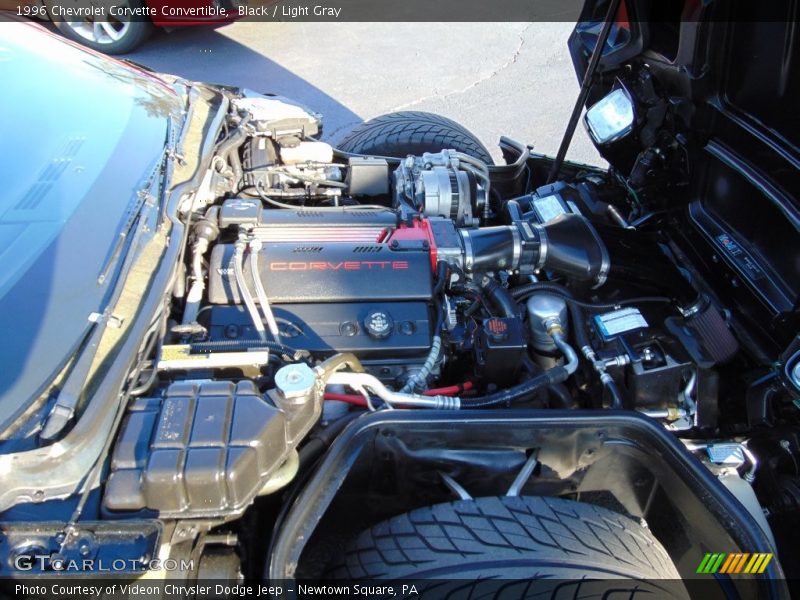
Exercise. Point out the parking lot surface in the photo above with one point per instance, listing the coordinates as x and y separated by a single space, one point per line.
512 79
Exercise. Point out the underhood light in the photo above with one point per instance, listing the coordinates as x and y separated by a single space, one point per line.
610 118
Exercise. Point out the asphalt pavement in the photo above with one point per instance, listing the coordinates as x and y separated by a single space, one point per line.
496 79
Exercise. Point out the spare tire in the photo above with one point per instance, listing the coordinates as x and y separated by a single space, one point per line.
412 132
514 538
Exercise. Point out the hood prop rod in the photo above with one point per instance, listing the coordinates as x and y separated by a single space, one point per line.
586 85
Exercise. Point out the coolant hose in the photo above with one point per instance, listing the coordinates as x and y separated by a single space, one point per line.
499 297
206 231
228 149
560 397
195 295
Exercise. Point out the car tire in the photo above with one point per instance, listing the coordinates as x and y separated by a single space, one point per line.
412 132
99 36
514 538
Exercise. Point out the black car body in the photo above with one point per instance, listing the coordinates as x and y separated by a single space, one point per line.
209 314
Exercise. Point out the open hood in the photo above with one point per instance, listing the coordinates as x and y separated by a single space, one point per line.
715 86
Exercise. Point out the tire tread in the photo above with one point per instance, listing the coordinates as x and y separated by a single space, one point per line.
408 129
508 529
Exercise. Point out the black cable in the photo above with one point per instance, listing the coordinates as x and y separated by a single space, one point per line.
243 345
473 292
441 277
523 292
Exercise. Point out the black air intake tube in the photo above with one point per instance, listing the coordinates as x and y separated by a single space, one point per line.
568 245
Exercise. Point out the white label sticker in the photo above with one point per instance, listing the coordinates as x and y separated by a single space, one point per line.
620 321
548 208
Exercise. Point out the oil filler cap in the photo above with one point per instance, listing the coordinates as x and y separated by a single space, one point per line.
496 329
378 324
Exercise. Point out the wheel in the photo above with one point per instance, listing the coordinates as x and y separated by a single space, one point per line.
111 36
514 538
412 132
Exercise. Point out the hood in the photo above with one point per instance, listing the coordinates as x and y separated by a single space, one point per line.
723 79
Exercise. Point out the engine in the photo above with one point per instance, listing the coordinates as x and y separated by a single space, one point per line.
315 281
426 269
335 282
363 281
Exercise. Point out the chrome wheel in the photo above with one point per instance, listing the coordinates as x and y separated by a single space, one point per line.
100 32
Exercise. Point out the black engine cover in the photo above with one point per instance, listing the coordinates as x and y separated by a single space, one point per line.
334 327
325 272
335 280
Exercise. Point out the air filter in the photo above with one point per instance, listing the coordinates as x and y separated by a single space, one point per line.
710 329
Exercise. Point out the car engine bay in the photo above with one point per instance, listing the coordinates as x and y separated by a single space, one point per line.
240 353
319 284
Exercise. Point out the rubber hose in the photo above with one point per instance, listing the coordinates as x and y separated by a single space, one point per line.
523 390
316 445
613 391
228 147
499 297
557 395
560 397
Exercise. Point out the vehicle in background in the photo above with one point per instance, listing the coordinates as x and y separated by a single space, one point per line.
121 27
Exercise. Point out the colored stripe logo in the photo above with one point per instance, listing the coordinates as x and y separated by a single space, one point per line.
742 562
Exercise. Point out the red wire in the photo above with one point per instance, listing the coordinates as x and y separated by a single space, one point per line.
450 390
349 398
